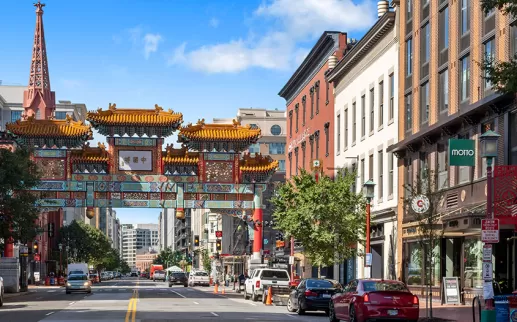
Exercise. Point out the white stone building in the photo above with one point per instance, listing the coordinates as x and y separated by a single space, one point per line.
366 118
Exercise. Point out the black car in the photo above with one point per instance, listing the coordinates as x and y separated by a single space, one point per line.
178 278
312 294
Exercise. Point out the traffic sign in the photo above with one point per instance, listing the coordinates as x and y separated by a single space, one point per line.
487 253
487 271
368 259
218 233
490 231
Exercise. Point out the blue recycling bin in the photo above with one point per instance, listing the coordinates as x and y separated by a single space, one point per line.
502 308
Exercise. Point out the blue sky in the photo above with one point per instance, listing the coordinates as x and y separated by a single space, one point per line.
205 59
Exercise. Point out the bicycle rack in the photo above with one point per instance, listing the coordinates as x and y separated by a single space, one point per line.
474 308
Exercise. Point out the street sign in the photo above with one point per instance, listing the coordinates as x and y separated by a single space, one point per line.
218 233
487 271
462 152
490 231
266 241
291 260
487 253
368 259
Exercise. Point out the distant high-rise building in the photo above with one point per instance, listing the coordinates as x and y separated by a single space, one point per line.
138 239
166 222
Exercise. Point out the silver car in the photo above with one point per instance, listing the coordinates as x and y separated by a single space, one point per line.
78 283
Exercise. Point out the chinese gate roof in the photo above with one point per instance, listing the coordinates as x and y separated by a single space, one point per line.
91 155
66 132
180 156
135 121
258 164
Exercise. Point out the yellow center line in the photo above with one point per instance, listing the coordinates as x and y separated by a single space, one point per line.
131 308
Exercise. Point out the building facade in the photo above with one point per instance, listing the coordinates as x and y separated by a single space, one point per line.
145 260
138 239
166 222
443 95
366 124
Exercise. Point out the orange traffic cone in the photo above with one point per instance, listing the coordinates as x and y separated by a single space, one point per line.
223 290
269 298
215 289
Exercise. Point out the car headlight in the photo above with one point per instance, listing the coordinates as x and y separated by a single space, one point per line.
86 283
68 284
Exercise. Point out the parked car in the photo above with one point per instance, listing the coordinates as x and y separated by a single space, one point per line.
198 278
312 295
262 278
159 276
78 283
1 291
364 299
94 278
178 278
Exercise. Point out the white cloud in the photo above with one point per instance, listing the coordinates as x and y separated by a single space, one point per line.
293 21
148 41
214 22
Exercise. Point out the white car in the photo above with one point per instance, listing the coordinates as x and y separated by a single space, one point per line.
261 279
1 291
198 278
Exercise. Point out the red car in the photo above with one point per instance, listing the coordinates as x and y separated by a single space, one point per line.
373 299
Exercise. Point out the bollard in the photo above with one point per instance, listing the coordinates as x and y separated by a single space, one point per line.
269 298
215 289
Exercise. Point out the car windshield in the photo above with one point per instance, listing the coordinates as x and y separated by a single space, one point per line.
371 286
200 274
274 275
77 278
322 284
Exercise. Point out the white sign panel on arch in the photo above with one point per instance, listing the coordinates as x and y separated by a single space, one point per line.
135 160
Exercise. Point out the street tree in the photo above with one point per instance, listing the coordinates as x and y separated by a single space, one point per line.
501 74
326 216
422 200
168 258
206 261
18 208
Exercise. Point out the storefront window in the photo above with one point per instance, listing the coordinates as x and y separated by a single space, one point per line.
415 264
435 264
473 248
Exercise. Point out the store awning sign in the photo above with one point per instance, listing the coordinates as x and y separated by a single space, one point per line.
462 152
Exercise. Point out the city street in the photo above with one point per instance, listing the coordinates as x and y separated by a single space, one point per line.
141 300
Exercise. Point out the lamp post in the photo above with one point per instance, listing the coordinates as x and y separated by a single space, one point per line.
368 188
60 259
488 141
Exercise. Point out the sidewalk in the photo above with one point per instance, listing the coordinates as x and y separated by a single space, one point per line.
458 313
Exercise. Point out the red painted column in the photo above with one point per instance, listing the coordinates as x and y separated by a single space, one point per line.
258 217
9 248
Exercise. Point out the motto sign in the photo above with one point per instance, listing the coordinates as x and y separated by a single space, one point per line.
462 152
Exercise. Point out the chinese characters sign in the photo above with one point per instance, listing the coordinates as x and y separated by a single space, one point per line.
135 160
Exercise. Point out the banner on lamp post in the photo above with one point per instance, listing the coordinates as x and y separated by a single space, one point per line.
462 152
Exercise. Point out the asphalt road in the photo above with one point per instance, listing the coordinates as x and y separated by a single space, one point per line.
140 300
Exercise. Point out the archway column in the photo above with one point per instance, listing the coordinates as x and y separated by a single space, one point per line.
258 218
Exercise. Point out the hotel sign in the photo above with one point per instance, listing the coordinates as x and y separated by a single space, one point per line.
462 152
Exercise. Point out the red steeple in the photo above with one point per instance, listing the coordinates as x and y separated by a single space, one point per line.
38 99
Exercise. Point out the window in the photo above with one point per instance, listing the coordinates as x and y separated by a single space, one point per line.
513 40
423 167
290 123
409 9
276 130
463 171
512 144
346 128
327 90
465 24
304 143
380 172
363 116
354 171
409 112
362 172
60 116
464 78
392 97
442 166
296 159
254 126
15 116
276 148
317 138
390 174
370 167
489 56
381 103
338 138
317 97
354 122
444 28
296 116
424 103
38 114
254 148
408 175
409 57
304 108
426 44
327 138
311 140
312 102
444 91
372 100
290 157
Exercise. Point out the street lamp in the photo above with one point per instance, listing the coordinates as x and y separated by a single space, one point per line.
60 259
488 141
368 189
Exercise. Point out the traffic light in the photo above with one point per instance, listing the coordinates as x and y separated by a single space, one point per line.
35 246
196 240
50 229
218 245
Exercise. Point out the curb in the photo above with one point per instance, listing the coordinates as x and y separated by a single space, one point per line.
9 295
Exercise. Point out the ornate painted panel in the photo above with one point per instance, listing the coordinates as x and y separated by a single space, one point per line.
218 172
51 168
49 153
135 141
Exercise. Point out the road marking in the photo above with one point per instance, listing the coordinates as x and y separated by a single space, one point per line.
49 313
196 303
71 303
289 315
178 294
214 314
51 291
251 303
131 309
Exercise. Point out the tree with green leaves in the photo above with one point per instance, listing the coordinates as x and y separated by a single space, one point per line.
501 74
168 258
326 216
18 208
206 261
422 202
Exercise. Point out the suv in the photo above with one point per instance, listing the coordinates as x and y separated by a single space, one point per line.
178 278
198 278
262 278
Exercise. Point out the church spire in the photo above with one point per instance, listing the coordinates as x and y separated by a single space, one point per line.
38 99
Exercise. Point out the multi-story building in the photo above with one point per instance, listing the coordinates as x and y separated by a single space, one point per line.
145 260
366 123
138 239
166 222
310 115
443 95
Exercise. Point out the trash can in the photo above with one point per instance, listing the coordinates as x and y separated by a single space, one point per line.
512 302
502 312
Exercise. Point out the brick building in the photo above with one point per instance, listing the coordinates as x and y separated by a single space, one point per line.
443 96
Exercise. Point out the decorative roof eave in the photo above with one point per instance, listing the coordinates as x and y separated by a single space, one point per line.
179 156
258 164
202 132
90 155
376 32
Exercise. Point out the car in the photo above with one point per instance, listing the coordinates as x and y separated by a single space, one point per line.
365 299
178 278
94 278
312 294
159 275
1 291
134 274
260 279
199 278
78 283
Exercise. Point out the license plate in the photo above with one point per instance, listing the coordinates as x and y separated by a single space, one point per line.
325 296
393 312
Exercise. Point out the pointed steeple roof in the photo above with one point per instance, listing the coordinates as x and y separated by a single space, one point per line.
39 97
